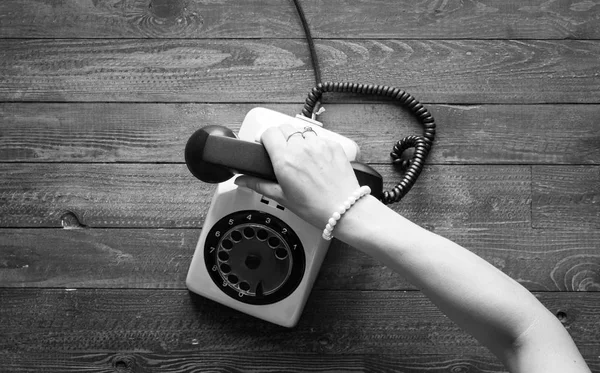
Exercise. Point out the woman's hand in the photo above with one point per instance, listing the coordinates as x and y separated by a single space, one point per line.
313 173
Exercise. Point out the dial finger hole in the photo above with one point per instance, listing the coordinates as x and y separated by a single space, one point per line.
252 261
236 236
274 241
227 244
232 279
262 234
248 232
225 268
244 286
281 253
223 256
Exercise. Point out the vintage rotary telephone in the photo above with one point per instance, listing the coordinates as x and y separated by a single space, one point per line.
253 254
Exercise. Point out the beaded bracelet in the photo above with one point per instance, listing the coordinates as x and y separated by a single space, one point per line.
337 215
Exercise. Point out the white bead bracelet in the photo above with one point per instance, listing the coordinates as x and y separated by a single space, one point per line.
337 215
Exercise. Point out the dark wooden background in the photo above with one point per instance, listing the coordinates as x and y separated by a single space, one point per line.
99 216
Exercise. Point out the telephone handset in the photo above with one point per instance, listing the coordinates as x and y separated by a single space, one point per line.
214 154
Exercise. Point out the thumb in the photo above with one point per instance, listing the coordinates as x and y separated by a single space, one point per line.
267 188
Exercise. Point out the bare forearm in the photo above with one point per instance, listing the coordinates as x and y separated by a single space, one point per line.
485 302
461 284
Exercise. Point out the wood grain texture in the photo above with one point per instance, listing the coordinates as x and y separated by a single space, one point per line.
461 71
333 322
147 133
154 70
168 196
102 195
105 258
429 19
97 100
540 260
424 19
566 196
149 19
108 362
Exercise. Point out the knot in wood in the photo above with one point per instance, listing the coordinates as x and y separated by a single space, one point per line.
70 220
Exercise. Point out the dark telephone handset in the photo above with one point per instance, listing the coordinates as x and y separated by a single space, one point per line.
213 154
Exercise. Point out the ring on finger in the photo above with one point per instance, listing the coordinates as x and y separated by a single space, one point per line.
295 133
308 129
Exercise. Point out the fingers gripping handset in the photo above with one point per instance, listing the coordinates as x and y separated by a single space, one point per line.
261 247
214 154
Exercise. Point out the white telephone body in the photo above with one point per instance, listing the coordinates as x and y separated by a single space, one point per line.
254 255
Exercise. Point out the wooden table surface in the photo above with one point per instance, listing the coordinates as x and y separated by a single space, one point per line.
99 216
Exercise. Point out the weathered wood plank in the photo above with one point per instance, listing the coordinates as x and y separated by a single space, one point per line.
507 134
180 362
566 197
461 71
473 71
107 361
333 322
154 70
149 19
105 258
467 196
426 19
167 195
541 260
114 132
102 195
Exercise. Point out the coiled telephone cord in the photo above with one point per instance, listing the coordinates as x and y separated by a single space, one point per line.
410 168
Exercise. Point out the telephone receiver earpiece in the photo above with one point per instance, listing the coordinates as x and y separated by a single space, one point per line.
214 154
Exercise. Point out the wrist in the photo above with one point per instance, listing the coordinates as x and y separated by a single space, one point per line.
360 221
374 228
355 196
